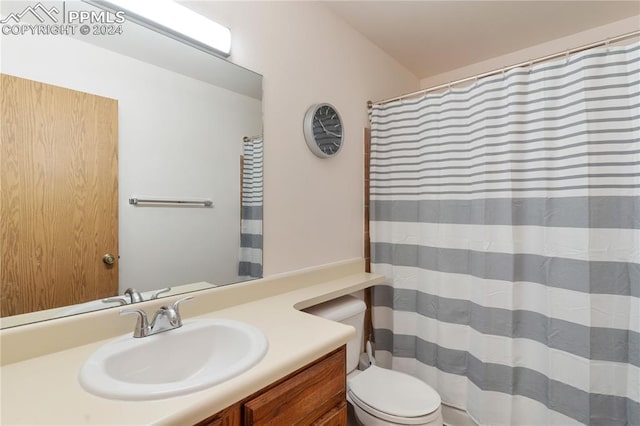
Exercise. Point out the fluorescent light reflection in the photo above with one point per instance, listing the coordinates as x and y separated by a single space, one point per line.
178 19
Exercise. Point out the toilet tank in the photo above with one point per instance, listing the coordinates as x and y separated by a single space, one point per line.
347 310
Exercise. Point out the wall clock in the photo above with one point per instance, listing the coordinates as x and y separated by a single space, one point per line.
323 130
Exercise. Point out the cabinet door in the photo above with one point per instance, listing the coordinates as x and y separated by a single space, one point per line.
304 398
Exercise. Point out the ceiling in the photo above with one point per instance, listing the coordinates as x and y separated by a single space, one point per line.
432 37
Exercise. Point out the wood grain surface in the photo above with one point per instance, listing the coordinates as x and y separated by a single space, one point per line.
59 196
303 399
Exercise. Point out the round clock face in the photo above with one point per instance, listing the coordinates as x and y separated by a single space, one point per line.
323 130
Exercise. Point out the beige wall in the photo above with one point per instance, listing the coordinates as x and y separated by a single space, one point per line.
576 40
313 208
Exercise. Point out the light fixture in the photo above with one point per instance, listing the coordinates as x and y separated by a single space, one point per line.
174 20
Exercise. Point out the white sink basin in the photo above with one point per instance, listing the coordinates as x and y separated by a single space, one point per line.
197 355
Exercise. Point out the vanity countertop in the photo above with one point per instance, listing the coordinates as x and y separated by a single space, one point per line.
44 390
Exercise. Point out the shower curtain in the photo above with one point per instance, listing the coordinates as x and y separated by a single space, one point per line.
506 219
251 213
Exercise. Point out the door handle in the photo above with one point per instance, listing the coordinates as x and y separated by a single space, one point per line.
109 259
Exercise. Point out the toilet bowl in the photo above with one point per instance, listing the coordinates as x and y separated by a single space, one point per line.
380 397
384 397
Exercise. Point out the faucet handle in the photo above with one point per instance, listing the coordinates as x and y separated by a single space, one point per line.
176 304
179 301
117 299
142 325
167 317
159 292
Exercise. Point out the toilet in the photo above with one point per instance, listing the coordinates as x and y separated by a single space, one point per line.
379 396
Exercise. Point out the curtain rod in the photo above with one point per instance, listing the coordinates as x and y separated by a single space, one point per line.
501 70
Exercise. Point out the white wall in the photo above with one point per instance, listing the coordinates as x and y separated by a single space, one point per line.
538 51
176 138
313 208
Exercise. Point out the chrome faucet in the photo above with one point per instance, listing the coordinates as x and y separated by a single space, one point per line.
166 318
134 296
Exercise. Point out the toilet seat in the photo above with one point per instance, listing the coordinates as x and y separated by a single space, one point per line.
393 396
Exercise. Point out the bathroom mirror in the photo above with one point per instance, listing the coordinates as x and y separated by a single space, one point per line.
184 123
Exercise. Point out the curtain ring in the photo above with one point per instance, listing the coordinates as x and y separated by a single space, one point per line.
566 57
606 44
530 66
504 75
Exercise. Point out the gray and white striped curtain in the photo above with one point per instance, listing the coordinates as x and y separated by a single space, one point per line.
506 218
251 215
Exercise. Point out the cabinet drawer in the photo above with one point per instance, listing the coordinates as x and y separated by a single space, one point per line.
303 398
336 417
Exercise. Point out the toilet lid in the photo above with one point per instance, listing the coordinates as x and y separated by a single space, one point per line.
394 393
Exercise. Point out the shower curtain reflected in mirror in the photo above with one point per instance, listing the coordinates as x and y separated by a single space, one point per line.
506 219
251 215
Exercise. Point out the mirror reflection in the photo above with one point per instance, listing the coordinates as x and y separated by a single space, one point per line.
131 169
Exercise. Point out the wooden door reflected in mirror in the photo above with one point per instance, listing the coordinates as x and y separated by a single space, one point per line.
59 199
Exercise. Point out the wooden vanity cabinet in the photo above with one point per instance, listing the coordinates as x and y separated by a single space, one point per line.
313 395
